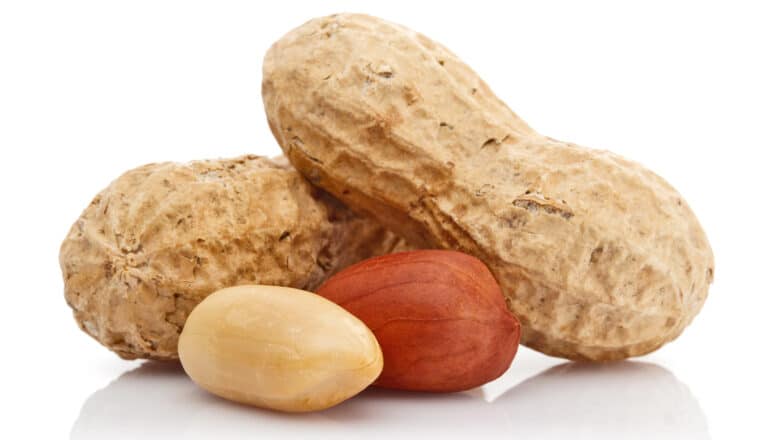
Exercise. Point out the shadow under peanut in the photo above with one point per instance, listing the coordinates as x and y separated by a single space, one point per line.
620 400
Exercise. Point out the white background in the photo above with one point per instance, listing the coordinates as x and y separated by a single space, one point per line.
91 89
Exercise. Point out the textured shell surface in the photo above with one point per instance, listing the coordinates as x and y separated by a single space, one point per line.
600 258
163 236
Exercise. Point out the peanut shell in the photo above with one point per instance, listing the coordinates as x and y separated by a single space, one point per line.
163 236
598 257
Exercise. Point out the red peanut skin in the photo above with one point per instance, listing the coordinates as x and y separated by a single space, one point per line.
439 316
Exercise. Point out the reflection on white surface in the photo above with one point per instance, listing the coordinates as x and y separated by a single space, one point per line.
622 400
625 400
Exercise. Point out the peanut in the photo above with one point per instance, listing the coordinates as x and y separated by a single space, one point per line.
161 237
439 317
598 257
278 348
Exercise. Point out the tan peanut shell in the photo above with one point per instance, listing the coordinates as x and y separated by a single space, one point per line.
163 236
599 257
